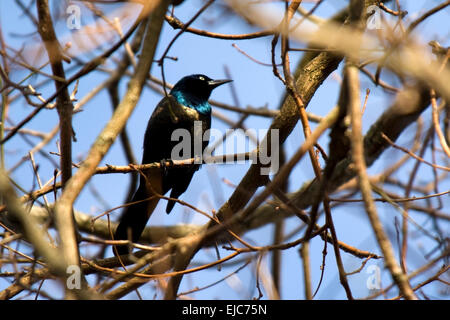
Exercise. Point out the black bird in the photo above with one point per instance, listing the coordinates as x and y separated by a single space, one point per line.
186 103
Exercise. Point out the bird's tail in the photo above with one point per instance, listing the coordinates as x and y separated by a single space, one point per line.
135 216
170 205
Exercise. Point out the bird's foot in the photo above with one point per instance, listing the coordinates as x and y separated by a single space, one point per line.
164 167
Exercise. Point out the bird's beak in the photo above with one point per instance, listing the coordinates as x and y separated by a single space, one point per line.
215 83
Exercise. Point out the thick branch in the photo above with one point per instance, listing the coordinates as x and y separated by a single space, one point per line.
354 111
123 111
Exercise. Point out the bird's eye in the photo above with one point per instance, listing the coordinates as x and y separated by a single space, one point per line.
201 78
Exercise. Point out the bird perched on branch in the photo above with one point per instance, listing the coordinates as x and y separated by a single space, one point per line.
186 108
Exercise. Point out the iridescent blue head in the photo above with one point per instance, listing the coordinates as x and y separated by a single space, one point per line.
193 91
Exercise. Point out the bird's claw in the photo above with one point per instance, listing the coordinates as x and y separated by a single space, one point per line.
163 164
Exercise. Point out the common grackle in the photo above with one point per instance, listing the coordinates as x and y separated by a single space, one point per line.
186 103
